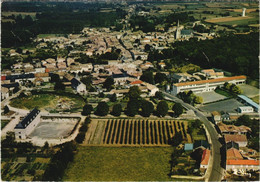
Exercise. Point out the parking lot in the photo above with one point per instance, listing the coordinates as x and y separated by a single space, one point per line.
210 96
229 105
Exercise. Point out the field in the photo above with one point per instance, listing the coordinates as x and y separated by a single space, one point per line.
120 164
137 132
228 19
20 169
49 102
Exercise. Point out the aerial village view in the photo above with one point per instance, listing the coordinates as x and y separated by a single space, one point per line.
129 90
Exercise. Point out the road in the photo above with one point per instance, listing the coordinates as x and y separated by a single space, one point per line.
214 171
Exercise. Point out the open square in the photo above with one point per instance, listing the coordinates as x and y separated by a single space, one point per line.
210 96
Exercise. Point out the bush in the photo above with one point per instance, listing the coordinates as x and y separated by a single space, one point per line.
102 109
117 109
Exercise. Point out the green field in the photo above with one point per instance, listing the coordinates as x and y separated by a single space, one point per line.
48 101
120 164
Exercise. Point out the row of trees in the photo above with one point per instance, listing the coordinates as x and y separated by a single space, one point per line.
190 97
136 105
82 131
232 88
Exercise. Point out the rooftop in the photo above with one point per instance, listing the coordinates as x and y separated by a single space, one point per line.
243 162
28 119
233 154
205 157
235 138
249 101
242 77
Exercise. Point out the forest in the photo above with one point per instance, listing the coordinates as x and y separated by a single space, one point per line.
237 54
62 18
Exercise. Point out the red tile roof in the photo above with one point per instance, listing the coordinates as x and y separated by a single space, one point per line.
242 77
243 162
3 77
235 138
136 82
233 154
205 157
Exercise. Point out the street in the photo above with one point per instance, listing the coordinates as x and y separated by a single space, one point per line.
214 171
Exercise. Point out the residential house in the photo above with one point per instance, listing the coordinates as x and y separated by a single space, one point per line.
78 86
232 129
205 160
120 79
216 116
4 93
240 139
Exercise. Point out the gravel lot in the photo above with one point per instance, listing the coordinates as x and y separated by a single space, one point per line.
52 130
210 96
229 105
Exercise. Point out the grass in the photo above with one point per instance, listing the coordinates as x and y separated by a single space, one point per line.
120 164
224 92
49 35
4 123
256 99
43 101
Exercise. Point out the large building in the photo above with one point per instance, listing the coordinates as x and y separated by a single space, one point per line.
206 85
27 125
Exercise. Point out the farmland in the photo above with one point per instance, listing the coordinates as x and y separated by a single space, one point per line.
127 132
120 164
227 19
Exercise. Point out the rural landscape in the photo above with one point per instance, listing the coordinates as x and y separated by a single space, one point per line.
129 90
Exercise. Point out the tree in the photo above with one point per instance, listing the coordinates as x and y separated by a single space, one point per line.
196 123
147 76
134 93
198 100
55 78
80 137
46 145
178 109
102 109
147 108
6 110
87 109
108 83
132 108
159 95
59 86
162 108
117 109
113 98
235 89
160 77
243 120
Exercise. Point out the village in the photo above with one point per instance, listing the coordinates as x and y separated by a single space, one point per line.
104 80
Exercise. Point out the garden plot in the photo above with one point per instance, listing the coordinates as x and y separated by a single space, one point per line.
210 96
54 128
133 132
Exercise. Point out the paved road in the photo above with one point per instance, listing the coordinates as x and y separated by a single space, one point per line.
215 171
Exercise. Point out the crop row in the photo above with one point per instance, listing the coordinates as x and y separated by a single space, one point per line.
141 132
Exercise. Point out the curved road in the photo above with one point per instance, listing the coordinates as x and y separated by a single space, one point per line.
215 171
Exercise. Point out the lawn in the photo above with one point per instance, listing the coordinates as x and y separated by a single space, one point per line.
48 101
256 99
224 92
120 164
4 123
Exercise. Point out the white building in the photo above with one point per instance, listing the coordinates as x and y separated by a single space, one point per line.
78 86
206 85
4 93
245 109
242 165
27 125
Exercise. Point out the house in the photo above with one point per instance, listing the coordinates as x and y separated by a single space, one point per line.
201 144
216 116
206 85
152 89
210 73
120 79
27 125
188 146
232 144
240 139
78 86
232 129
245 109
86 67
205 160
4 93
234 154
